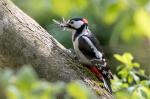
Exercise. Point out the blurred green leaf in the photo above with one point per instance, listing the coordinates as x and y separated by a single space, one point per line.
118 57
25 78
25 85
13 93
123 73
129 80
76 91
141 2
114 10
6 77
136 65
126 58
65 7
142 21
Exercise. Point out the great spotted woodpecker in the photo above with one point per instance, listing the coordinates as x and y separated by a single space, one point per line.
88 50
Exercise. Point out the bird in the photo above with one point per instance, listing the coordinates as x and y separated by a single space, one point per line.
89 50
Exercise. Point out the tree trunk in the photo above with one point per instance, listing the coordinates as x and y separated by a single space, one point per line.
23 41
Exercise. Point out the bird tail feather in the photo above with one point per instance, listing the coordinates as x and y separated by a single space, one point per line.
102 77
106 82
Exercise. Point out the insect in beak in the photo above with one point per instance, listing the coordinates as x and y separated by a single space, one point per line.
64 24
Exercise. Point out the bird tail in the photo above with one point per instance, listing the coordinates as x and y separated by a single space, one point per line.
101 77
107 84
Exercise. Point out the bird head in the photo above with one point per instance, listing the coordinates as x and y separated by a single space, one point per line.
76 23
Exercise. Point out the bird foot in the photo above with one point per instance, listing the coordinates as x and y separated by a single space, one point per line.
72 53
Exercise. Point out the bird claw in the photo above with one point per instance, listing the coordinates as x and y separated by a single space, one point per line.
97 62
72 53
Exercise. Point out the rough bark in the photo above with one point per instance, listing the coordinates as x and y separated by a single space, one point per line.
23 41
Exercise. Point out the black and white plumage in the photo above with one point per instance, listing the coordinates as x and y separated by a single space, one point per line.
89 50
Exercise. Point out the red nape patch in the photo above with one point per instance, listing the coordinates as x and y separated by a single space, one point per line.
85 20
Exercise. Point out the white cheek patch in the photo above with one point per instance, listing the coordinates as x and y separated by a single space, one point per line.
77 24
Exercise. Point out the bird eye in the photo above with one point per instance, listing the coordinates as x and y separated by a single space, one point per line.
71 22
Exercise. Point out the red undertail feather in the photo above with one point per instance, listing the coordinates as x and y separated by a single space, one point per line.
101 77
96 71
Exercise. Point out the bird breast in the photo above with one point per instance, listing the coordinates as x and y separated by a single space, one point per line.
80 55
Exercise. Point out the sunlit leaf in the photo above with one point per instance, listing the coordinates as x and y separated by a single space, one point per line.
13 93
142 21
136 95
135 64
123 73
118 57
26 77
130 79
65 7
146 83
129 75
141 71
112 14
141 2
127 34
114 10
76 91
126 58
123 94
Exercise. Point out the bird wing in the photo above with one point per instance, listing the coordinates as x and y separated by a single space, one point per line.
88 47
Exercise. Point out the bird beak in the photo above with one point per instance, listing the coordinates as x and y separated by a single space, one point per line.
66 24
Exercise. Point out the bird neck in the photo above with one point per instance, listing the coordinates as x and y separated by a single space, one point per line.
79 31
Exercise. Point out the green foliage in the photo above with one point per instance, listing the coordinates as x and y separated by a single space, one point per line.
25 85
65 7
119 24
131 82
131 16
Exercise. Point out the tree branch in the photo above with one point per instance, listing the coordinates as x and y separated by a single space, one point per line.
23 41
